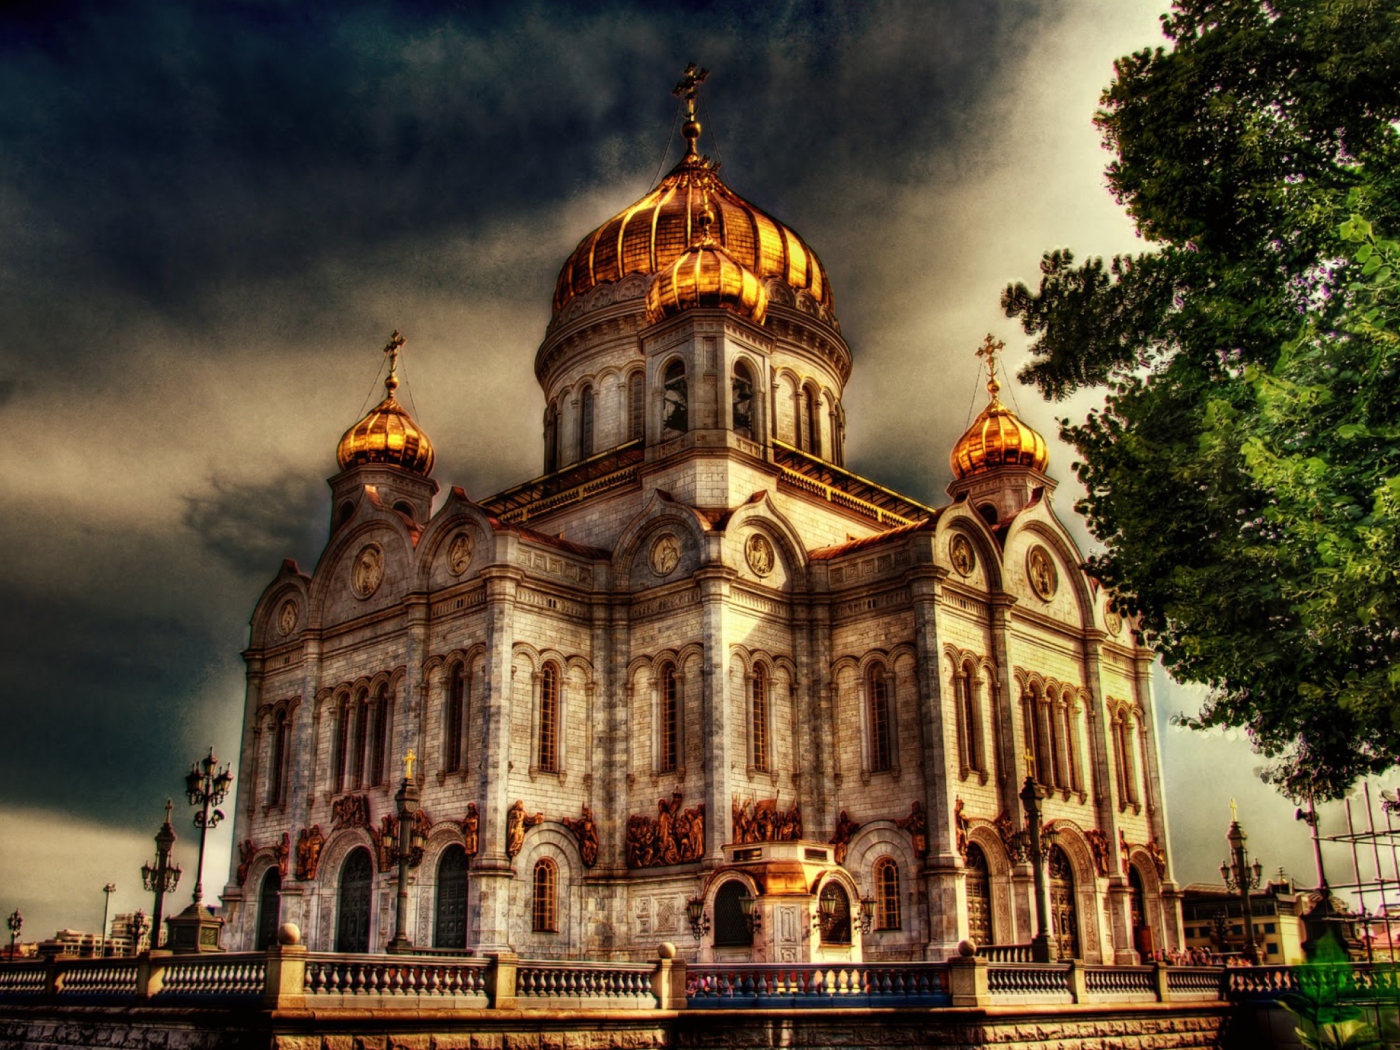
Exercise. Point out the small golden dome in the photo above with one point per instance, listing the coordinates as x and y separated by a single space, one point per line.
388 433
653 233
706 275
997 437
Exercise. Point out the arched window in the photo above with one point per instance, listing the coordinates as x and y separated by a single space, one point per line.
636 406
979 896
1137 914
1127 773
277 789
742 409
343 714
352 913
811 435
675 412
379 741
1037 734
551 438
731 928
835 453
450 920
881 751
835 909
887 912
269 910
1066 711
969 720
549 719
585 423
357 776
454 718
759 719
668 742
1059 769
544 906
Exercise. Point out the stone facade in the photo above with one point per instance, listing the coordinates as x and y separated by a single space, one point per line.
697 651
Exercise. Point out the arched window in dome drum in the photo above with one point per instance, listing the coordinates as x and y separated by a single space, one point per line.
352 913
675 411
551 438
636 406
811 434
450 920
269 910
453 718
743 401
835 908
585 423
835 454
979 896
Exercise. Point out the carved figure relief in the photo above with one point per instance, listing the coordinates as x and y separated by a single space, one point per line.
665 554
459 555
1123 850
517 821
587 834
350 811
961 824
471 831
1006 831
917 826
282 851
845 830
1040 570
1112 622
310 841
961 554
766 823
246 852
673 836
287 617
758 552
1103 853
368 570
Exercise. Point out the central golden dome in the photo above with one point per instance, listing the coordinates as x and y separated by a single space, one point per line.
650 235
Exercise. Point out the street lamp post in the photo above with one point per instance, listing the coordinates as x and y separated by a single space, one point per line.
407 800
1239 875
1043 946
196 929
16 923
107 890
164 876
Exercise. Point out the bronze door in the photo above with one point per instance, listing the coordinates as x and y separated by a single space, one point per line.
450 924
356 891
1063 914
269 910
979 897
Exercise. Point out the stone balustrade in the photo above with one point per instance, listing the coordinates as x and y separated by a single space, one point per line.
817 984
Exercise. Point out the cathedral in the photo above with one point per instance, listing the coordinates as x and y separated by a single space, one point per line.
698 682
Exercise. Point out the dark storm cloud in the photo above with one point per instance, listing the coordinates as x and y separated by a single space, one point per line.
252 525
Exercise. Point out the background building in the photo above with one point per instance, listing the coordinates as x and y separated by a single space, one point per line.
697 660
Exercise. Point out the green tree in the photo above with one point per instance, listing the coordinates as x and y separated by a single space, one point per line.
1239 152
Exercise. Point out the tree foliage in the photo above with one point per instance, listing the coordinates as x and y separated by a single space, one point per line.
1240 472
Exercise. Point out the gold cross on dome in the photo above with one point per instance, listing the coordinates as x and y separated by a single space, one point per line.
392 348
989 349
408 761
691 79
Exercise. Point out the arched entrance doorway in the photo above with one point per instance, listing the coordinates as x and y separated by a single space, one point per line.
835 908
979 896
1063 914
450 922
269 910
352 914
731 928
1137 911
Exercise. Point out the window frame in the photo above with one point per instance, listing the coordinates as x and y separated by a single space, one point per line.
544 896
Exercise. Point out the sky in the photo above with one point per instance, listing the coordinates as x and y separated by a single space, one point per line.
213 213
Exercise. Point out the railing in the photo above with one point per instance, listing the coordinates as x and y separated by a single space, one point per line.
98 978
585 985
352 980
817 984
1120 982
1031 982
1006 953
212 976
1195 982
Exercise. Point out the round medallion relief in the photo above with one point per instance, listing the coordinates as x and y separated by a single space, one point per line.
368 570
459 554
1112 621
287 617
758 552
961 554
1040 570
665 554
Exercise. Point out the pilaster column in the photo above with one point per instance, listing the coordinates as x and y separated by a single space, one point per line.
409 720
942 874
1104 788
819 717
1008 729
714 583
492 870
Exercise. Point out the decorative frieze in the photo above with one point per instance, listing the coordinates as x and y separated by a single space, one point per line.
762 821
673 836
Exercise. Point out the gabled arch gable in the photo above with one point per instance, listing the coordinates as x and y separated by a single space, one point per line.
1039 523
432 547
633 546
330 577
290 582
962 518
760 513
